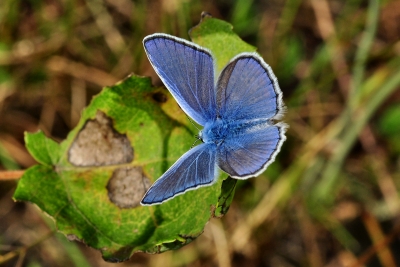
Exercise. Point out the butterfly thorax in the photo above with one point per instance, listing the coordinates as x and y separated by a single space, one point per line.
219 130
214 132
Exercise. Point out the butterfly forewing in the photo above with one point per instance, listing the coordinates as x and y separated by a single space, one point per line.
187 71
194 169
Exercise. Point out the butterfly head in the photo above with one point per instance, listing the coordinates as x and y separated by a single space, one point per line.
214 132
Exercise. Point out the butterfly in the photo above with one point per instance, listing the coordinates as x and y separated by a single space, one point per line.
236 112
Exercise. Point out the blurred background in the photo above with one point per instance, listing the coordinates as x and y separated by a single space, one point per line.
332 196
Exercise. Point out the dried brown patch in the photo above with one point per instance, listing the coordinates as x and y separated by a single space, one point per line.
99 144
127 186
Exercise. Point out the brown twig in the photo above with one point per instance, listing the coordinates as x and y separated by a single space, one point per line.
22 251
377 247
376 155
11 175
80 71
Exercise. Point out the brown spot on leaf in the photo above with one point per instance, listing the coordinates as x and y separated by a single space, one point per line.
127 186
205 15
72 237
98 144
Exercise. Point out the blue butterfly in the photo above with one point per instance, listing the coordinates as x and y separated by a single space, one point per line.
236 111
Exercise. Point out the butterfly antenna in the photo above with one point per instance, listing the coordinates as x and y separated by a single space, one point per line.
194 124
196 136
197 139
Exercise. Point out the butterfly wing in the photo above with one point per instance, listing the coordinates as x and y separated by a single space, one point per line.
196 168
247 89
248 97
187 71
249 153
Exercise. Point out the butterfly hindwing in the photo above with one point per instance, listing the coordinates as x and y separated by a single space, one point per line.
248 154
194 169
187 71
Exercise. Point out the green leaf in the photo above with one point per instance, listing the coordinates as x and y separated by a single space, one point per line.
225 199
219 37
92 183
43 149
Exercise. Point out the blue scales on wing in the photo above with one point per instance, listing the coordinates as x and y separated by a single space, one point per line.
248 98
249 153
194 169
187 71
247 89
